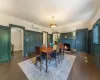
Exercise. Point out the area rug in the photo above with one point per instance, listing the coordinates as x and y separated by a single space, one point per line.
61 72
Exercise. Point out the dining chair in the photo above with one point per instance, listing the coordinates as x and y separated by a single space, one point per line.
54 55
39 57
61 53
43 46
49 45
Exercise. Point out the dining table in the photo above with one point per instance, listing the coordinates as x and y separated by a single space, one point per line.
47 51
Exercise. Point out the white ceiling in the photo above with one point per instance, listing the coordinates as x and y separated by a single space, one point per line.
68 13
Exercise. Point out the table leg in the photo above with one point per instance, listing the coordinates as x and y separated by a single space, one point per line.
46 63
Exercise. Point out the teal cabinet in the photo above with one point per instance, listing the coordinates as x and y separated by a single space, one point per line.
82 40
5 44
26 43
50 38
94 49
32 39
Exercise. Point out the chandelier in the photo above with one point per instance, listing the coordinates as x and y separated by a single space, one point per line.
52 25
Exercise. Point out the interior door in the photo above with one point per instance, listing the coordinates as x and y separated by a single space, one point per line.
82 40
5 44
26 43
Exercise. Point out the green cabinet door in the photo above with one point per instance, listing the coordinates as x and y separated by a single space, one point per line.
26 43
4 44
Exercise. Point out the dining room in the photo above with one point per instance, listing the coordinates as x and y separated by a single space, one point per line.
50 61
49 39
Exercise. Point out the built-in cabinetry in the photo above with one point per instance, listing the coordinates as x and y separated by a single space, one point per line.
77 40
32 39
82 40
5 43
94 49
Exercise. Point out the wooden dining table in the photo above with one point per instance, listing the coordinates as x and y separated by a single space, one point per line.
47 51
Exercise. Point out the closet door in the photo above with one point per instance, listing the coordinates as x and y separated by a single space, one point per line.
82 40
38 39
5 44
41 39
26 43
31 42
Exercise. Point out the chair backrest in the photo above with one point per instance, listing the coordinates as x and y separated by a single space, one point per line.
49 46
60 50
37 50
55 47
43 46
60 45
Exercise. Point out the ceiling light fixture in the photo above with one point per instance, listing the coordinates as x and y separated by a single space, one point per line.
53 25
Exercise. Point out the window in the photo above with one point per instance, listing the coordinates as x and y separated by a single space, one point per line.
96 34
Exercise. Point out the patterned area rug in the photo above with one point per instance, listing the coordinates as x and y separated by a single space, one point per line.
60 72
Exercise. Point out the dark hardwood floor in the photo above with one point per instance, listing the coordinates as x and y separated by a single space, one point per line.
81 69
84 70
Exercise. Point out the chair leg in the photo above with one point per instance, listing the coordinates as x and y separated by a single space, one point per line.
59 59
63 55
36 63
56 62
41 65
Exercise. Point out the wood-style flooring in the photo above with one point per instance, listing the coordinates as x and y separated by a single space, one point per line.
81 70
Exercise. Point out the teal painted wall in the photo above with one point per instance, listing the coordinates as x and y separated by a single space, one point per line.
82 40
5 45
32 39
70 39
50 38
79 42
94 49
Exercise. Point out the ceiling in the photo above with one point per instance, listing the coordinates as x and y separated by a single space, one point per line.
69 14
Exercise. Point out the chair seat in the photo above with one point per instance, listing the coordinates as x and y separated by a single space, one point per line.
53 55
42 57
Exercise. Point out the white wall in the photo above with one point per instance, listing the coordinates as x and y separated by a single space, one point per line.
55 37
16 39
6 20
95 18
45 38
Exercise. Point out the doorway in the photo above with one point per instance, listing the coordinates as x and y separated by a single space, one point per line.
45 36
55 37
17 42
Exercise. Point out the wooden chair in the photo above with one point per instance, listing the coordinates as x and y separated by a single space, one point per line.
49 46
39 56
55 56
43 46
61 53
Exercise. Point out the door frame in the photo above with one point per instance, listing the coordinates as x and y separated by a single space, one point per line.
23 28
47 36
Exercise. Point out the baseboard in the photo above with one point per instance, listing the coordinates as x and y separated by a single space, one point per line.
18 50
4 60
98 65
